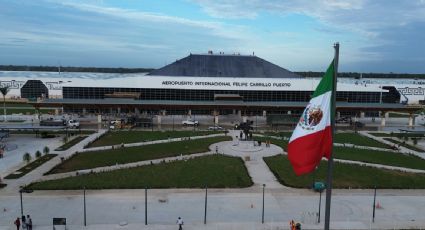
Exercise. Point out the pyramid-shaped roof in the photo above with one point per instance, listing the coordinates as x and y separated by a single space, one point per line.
220 65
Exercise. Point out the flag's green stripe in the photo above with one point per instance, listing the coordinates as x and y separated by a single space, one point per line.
325 84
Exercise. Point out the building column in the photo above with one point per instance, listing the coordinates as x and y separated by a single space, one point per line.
216 120
119 110
158 120
264 113
411 119
289 112
137 111
244 118
164 112
189 112
383 117
338 115
84 111
56 112
239 113
362 114
234 112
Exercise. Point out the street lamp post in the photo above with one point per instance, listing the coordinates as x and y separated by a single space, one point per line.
262 214
22 208
146 205
374 206
320 204
206 198
20 196
84 201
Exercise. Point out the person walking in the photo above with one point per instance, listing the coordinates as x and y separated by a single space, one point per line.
180 223
29 222
17 223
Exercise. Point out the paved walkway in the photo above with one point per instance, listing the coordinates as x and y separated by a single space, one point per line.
226 209
14 185
401 148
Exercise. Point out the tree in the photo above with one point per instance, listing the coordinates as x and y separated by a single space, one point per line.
65 139
27 157
46 150
4 90
37 154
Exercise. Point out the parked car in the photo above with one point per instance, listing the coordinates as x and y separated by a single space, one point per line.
190 123
215 128
343 120
73 124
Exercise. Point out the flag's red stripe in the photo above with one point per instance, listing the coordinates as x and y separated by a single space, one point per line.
306 152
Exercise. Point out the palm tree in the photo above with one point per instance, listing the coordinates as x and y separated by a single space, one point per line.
27 157
46 150
4 90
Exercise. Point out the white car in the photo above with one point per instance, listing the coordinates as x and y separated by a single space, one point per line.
215 128
190 123
73 124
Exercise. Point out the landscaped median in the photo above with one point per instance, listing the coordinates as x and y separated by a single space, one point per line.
71 143
343 138
380 157
214 171
126 137
404 144
89 160
345 176
31 166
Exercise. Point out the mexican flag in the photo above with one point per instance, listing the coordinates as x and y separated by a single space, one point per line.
312 138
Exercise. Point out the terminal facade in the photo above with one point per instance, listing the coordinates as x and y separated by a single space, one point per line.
216 84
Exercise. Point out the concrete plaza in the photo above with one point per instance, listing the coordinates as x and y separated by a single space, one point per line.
226 208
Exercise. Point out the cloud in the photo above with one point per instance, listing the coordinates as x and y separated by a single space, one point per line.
78 30
383 30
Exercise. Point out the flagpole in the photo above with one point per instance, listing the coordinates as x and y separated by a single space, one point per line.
331 158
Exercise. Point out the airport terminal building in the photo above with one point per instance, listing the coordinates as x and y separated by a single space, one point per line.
211 84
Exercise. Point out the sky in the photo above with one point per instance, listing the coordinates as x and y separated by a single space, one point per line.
375 35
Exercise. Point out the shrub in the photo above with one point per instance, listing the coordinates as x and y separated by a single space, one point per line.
45 134
46 150
37 154
27 157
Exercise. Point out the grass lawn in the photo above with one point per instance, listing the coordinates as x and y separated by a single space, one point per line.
95 159
281 143
26 111
118 137
357 139
345 176
398 135
54 132
31 166
216 171
17 104
349 138
380 157
279 134
411 147
399 115
70 143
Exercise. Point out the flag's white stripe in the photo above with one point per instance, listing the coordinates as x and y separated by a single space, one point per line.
324 101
